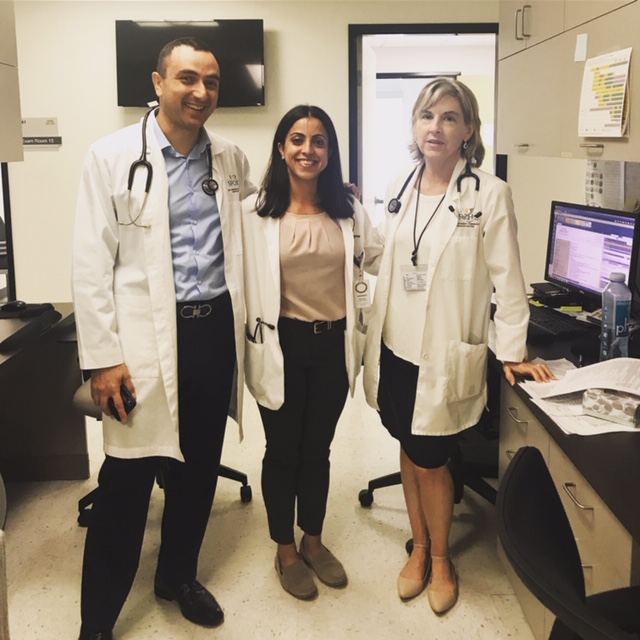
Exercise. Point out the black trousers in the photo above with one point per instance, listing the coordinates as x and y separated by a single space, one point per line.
295 468
206 361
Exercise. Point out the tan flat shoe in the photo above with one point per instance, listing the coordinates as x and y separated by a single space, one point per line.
411 587
442 600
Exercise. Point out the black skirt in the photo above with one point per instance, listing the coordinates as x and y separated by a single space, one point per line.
396 399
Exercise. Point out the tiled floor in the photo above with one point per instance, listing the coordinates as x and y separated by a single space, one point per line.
45 550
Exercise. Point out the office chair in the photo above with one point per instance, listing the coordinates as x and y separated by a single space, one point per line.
84 403
538 542
475 457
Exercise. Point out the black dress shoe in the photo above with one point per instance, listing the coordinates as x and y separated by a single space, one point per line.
100 635
196 603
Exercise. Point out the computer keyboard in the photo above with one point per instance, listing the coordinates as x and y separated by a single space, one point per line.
548 321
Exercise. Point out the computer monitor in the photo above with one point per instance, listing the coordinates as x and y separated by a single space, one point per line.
586 244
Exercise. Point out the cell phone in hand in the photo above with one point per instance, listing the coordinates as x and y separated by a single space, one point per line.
127 399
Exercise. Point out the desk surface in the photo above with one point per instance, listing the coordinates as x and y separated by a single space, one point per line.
609 462
42 436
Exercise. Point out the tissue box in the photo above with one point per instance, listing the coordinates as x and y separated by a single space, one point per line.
617 406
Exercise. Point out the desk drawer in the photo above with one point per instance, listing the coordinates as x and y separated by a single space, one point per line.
605 546
518 428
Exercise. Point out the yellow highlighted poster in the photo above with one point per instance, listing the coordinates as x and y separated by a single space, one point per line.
604 100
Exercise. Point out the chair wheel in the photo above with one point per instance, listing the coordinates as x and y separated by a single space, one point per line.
408 547
366 498
246 493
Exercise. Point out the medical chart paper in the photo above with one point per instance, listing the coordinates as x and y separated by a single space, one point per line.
562 399
604 99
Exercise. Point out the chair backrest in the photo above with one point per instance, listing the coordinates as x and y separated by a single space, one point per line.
83 402
539 543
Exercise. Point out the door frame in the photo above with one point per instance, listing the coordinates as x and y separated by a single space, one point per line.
356 31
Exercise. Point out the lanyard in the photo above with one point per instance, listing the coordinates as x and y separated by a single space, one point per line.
416 244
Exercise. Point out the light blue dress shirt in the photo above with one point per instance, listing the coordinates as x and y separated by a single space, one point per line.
194 222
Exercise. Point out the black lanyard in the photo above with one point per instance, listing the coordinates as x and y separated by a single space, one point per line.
416 244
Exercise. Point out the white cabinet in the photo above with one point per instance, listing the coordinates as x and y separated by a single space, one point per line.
539 87
607 550
10 119
525 24
519 428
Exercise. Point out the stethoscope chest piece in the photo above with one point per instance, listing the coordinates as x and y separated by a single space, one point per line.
210 186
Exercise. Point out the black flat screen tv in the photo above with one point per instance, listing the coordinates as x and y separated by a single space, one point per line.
237 44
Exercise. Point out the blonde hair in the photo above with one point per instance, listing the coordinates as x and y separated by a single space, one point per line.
434 91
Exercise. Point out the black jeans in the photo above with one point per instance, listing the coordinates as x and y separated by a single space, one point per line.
295 468
206 361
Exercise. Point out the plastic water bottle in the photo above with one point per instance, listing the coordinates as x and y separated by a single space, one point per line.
616 308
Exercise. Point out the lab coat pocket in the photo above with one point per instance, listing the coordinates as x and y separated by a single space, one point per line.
466 366
264 371
137 335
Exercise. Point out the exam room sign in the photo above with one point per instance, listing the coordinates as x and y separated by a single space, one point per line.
37 132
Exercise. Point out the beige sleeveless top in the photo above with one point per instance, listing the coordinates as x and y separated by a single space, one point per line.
311 267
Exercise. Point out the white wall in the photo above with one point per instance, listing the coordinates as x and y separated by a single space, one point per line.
66 55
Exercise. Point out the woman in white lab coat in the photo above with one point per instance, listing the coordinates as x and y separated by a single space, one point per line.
449 241
304 333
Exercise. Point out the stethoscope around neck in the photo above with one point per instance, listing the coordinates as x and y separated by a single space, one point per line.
209 185
395 204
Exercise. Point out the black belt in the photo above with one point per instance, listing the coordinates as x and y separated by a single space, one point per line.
316 327
202 308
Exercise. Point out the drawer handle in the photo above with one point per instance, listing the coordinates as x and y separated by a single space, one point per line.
525 35
567 486
510 453
513 412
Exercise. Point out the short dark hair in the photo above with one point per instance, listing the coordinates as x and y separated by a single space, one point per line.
187 41
275 192
430 94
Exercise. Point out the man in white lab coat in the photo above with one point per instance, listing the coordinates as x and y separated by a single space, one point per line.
157 287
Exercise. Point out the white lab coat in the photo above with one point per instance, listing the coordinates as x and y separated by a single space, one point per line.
264 362
123 286
465 264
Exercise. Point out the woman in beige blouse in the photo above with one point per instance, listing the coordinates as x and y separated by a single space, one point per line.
306 241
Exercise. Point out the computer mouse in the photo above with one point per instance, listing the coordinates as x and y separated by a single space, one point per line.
14 305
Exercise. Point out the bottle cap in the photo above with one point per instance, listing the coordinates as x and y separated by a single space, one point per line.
617 277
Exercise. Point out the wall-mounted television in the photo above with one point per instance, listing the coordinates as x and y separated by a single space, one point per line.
237 44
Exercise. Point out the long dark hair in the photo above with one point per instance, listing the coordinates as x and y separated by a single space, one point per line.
275 193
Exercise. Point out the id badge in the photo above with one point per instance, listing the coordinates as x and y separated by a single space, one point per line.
414 278
361 293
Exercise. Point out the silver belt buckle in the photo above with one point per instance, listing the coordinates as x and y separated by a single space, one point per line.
195 310
317 326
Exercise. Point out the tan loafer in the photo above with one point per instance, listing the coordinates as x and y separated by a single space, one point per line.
327 567
296 579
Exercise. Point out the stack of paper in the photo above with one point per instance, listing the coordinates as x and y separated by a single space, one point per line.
562 399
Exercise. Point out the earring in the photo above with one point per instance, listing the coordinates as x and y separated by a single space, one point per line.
282 157
465 145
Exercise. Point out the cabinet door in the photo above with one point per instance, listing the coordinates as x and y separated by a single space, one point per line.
606 547
10 120
539 93
524 24
8 52
577 12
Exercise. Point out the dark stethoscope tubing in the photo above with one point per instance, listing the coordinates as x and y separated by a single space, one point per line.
209 185
395 204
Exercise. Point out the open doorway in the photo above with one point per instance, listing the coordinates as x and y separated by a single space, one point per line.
388 66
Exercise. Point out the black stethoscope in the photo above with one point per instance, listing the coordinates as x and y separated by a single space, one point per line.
395 204
209 185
